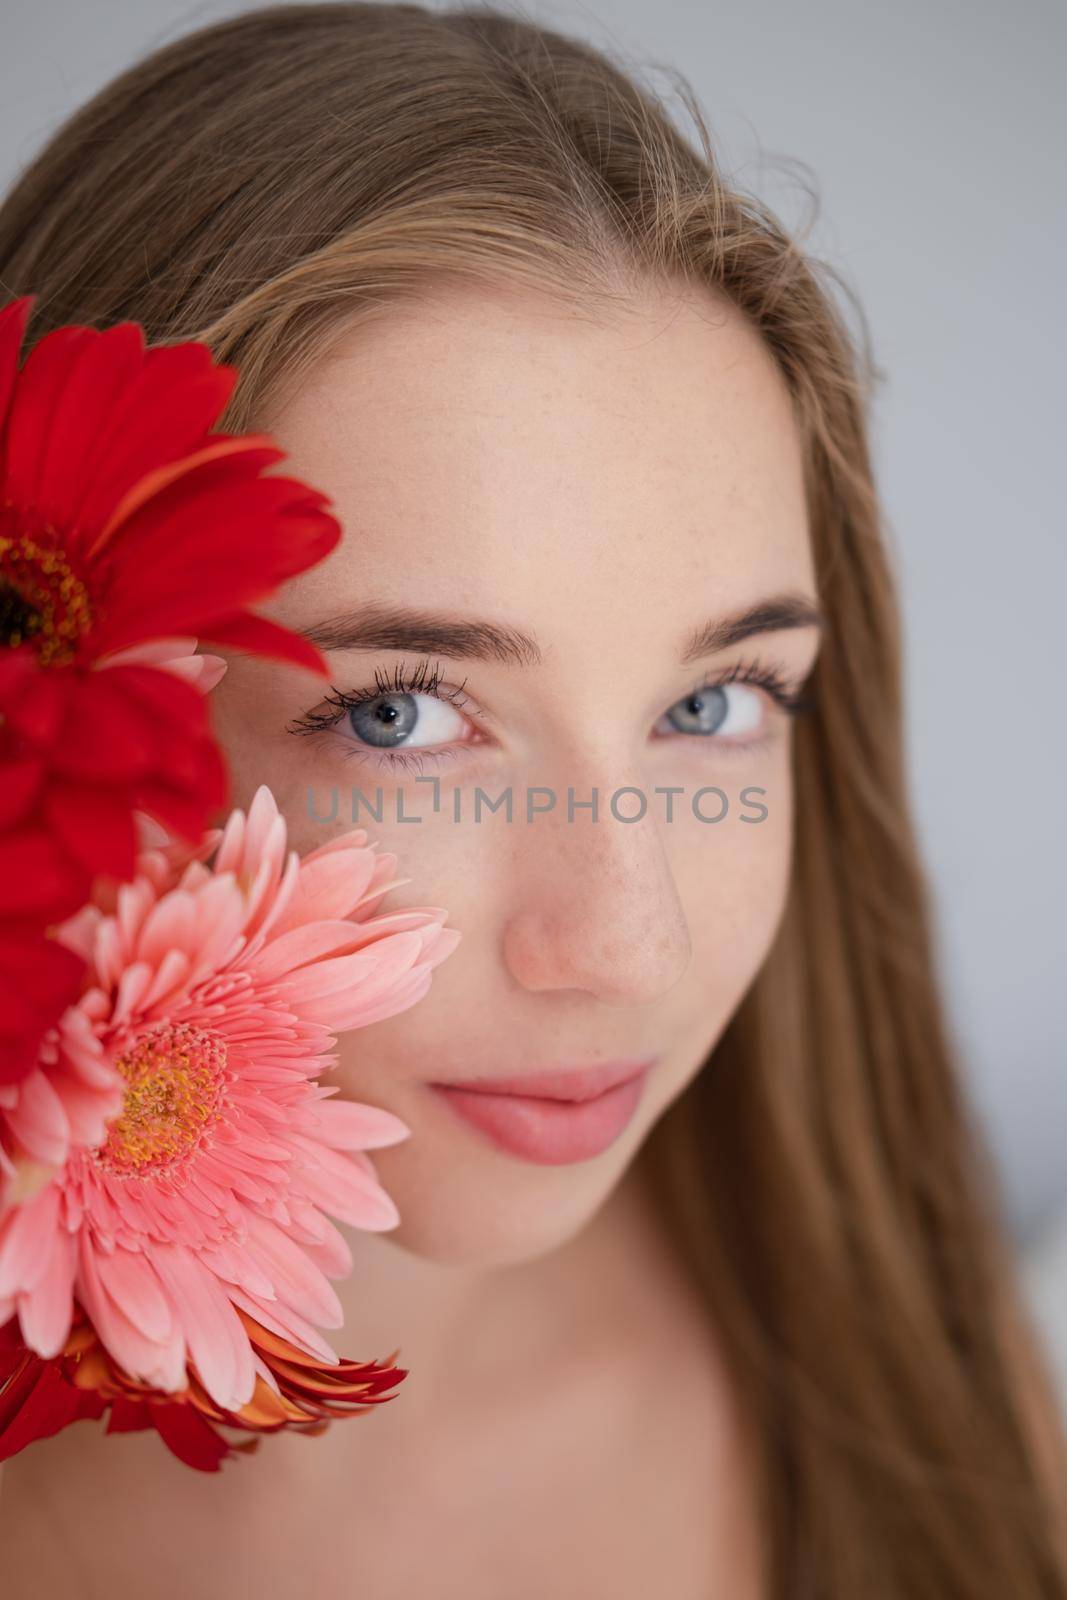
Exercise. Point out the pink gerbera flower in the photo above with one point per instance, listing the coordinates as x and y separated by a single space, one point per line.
172 1262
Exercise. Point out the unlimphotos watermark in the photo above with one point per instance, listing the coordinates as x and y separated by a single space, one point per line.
709 804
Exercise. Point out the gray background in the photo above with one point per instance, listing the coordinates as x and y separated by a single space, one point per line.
933 133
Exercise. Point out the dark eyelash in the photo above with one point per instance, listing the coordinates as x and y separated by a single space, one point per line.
773 680
424 679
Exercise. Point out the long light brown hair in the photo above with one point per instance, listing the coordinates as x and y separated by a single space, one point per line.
265 180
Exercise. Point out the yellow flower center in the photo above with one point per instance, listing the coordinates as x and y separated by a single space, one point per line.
175 1085
42 601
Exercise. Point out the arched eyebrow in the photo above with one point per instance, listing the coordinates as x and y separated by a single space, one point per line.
379 627
772 615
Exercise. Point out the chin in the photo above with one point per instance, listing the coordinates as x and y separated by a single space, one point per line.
477 1207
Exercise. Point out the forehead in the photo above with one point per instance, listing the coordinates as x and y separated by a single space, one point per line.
494 447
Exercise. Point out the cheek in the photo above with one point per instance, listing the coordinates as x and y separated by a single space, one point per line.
734 879
249 718
253 741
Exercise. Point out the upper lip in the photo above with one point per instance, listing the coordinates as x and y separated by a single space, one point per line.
558 1083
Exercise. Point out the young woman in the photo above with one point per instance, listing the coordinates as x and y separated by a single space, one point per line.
745 1322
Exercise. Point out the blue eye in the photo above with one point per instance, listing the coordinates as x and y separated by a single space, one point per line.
410 713
398 720
415 712
727 709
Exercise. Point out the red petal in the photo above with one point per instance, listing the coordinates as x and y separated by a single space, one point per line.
46 372
184 782
74 430
128 1416
95 824
13 319
188 811
38 705
44 968
20 784
255 451
38 980
106 734
17 667
193 517
208 556
160 693
36 878
36 1402
189 1436
162 413
261 637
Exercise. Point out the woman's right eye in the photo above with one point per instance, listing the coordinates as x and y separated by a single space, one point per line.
403 721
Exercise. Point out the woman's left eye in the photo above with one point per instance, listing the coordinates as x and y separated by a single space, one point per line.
406 721
726 709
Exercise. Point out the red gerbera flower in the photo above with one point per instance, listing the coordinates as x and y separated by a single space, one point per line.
123 521
126 519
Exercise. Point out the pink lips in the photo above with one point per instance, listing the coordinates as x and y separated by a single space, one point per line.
556 1116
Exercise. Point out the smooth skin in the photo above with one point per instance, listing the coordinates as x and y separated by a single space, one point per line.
607 484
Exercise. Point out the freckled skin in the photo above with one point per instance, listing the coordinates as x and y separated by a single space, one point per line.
606 486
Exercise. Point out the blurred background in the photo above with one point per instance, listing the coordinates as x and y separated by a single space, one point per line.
931 135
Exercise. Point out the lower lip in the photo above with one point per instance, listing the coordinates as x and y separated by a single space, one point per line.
549 1132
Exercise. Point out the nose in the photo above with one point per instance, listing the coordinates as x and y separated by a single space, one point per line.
596 907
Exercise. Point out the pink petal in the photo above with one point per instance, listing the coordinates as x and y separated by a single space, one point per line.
24 1236
344 1189
133 986
168 926
45 1312
152 651
440 947
82 1051
287 1323
176 655
342 1011
369 969
331 1252
161 1364
217 1341
89 1109
234 1266
352 1125
330 886
172 974
301 946
294 1276
39 1122
129 1280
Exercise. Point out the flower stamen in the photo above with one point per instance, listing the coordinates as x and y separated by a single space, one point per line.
175 1086
42 601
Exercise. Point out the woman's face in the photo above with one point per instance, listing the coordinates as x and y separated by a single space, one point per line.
625 494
